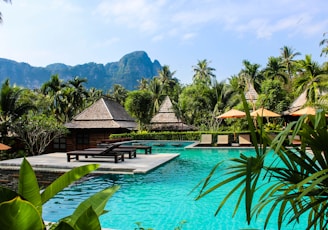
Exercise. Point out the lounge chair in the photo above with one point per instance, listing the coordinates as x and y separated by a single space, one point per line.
244 139
206 139
223 140
296 140
145 148
131 151
102 152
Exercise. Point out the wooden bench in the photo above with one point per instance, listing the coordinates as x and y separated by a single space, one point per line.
118 156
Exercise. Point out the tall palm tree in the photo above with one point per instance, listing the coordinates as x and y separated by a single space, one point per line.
251 76
288 54
203 73
11 108
79 93
54 89
275 69
324 42
312 79
156 90
166 78
143 84
119 94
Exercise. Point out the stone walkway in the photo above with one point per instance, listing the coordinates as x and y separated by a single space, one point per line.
58 162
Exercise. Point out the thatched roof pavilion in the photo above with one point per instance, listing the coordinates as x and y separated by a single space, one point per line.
299 103
103 114
251 95
96 123
166 119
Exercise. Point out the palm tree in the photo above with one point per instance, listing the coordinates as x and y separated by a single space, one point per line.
288 54
156 90
11 108
166 78
312 79
324 42
203 73
251 75
143 84
79 93
275 69
119 94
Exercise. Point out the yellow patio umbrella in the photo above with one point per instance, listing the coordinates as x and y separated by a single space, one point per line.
4 147
233 113
262 112
305 111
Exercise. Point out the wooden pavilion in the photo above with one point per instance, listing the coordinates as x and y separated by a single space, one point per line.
166 119
96 123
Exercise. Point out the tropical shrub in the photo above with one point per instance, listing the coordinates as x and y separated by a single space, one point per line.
22 209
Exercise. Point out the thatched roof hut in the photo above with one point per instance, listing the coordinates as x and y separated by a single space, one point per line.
103 114
166 119
96 123
297 104
300 102
251 95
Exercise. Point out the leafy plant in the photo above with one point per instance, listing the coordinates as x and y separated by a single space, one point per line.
296 181
23 209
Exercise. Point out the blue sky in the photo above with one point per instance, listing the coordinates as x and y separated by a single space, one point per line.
178 33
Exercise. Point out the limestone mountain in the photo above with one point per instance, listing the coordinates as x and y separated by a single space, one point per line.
126 72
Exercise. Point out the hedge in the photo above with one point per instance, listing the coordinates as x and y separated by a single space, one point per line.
168 135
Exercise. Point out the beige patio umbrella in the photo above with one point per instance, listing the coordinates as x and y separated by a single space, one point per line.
233 113
305 111
262 112
4 147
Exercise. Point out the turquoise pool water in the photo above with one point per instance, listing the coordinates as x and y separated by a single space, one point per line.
162 199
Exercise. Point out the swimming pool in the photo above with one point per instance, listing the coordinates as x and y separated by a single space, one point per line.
161 199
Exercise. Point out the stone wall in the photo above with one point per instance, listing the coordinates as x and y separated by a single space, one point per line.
9 178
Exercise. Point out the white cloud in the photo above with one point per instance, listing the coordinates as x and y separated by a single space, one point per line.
139 14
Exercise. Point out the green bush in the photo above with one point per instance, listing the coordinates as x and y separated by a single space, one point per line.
168 135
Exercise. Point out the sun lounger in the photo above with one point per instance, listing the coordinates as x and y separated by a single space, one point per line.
206 139
296 140
131 151
145 148
108 152
244 139
223 140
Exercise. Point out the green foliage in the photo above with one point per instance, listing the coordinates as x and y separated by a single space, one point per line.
273 97
138 104
168 135
38 131
23 210
196 104
18 214
11 108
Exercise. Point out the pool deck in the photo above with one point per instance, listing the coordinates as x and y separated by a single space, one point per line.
57 162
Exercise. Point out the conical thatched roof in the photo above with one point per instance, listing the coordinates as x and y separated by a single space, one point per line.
105 114
251 95
166 119
297 104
